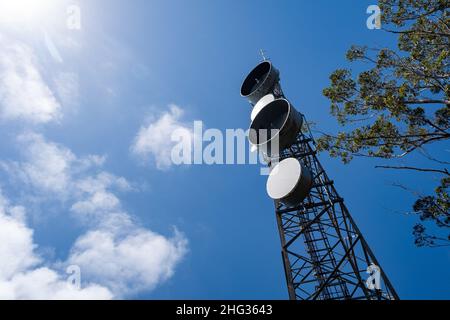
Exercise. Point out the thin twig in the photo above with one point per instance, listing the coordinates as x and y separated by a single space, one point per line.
445 171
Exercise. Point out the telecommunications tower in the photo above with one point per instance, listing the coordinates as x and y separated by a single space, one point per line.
324 254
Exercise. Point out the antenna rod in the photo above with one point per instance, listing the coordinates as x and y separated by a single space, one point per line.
263 54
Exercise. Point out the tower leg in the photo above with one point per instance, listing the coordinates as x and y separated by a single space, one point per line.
324 254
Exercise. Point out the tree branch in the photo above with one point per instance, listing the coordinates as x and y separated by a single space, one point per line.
445 171
425 101
417 32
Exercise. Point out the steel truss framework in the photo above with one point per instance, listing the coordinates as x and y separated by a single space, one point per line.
324 254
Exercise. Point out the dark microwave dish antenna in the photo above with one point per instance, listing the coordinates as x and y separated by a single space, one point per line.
262 80
280 116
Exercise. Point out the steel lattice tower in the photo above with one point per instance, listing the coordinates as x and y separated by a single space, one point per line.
324 254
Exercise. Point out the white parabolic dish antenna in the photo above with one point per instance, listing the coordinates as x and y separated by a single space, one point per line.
264 101
289 182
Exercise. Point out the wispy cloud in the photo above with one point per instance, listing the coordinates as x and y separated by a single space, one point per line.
47 166
115 251
23 274
24 94
128 262
67 88
153 140
118 256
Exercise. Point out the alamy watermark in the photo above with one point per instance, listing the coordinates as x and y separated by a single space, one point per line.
73 21
215 147
74 278
374 20
374 280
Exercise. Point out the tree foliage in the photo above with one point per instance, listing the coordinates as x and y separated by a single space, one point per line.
401 103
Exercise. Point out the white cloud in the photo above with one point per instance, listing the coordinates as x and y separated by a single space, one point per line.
117 256
46 284
102 181
138 260
16 249
24 94
117 252
98 201
67 87
154 140
95 202
49 167
22 275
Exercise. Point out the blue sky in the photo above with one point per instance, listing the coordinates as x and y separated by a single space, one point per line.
201 232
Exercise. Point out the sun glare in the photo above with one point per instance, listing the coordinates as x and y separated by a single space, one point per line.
24 11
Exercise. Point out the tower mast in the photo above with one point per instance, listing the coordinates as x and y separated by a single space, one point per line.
324 254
